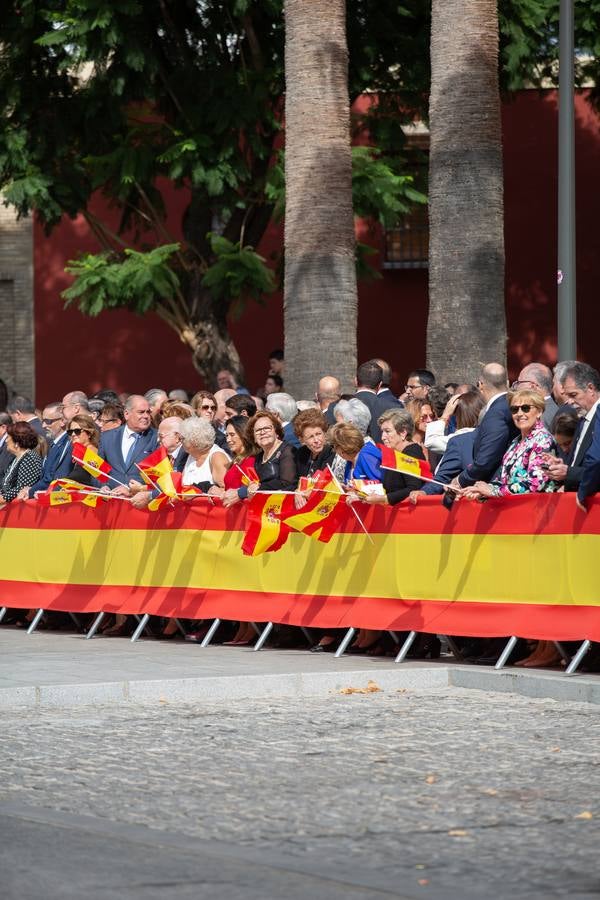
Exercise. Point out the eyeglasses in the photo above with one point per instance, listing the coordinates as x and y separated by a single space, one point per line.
51 421
209 407
75 431
525 407
517 383
105 421
408 387
264 430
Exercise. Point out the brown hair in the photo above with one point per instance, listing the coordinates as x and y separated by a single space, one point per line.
309 418
467 409
265 414
199 396
346 439
88 425
415 408
174 408
23 435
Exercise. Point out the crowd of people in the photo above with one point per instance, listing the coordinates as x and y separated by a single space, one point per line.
482 440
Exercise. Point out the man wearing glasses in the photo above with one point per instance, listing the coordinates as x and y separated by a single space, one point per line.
57 463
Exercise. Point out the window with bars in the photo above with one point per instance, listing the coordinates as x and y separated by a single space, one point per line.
407 247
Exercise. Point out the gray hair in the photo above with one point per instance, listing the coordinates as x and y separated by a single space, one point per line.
20 404
95 405
306 404
541 374
78 398
561 367
582 374
180 395
401 419
283 405
198 432
355 412
153 394
5 418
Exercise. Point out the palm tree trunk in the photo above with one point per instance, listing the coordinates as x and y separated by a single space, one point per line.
467 322
320 300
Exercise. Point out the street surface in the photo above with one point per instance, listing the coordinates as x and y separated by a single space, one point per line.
441 793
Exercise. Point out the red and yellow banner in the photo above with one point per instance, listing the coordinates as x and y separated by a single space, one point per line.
524 565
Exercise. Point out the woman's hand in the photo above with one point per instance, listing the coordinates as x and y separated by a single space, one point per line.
300 499
230 497
413 497
252 488
450 407
2 501
479 491
375 499
216 491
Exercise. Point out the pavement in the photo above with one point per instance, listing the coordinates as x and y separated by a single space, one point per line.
167 771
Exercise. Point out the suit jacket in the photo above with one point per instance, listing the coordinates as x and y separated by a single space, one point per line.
289 435
38 427
329 413
576 463
492 437
384 400
458 455
590 476
110 450
549 413
6 457
57 464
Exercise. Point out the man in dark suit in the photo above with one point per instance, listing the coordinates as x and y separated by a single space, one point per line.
6 457
581 384
495 431
170 439
22 409
384 400
539 378
590 479
369 378
57 463
123 447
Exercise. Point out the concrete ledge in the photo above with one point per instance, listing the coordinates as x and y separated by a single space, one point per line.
220 688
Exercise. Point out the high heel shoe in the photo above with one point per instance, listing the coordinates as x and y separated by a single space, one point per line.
428 646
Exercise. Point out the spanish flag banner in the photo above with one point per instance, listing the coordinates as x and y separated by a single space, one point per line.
89 460
519 565
55 498
155 465
321 480
265 530
249 475
401 462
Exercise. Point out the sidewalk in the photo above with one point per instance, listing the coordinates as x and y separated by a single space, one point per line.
55 669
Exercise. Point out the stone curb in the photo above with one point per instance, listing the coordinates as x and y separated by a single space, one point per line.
539 685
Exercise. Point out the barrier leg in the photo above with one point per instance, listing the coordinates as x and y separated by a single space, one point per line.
345 641
3 612
256 628
564 653
575 662
503 658
36 621
406 647
74 619
142 624
264 635
180 626
307 635
456 652
95 626
394 637
210 633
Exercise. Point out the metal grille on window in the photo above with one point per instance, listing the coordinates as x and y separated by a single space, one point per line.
407 247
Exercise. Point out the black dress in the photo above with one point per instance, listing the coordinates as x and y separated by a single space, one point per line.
22 472
279 472
397 485
307 465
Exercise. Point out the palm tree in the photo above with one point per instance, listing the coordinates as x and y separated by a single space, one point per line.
320 300
467 323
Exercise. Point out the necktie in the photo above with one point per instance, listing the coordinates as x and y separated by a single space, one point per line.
132 449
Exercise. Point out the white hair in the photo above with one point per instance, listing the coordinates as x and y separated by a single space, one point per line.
197 432
283 405
355 412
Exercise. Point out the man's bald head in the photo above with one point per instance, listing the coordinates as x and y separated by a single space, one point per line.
168 433
494 379
328 391
222 397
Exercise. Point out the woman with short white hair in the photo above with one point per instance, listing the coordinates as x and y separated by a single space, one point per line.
354 412
206 464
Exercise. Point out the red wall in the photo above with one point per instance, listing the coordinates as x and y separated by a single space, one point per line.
125 352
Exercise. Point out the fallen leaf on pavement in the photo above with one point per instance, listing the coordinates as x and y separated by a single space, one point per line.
431 779
586 814
371 688
423 880
458 832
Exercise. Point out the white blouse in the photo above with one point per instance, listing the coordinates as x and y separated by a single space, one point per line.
194 474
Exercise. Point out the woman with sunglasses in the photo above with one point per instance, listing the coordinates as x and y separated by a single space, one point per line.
82 430
523 468
205 406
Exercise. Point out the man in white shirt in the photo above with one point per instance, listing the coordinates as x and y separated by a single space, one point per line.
581 386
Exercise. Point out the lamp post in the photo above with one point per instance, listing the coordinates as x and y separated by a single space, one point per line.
567 276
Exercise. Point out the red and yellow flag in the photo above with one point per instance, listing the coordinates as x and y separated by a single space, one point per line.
321 516
401 462
89 460
153 466
321 480
55 498
265 531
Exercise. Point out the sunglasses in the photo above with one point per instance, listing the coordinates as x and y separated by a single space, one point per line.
51 421
526 407
75 431
211 408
